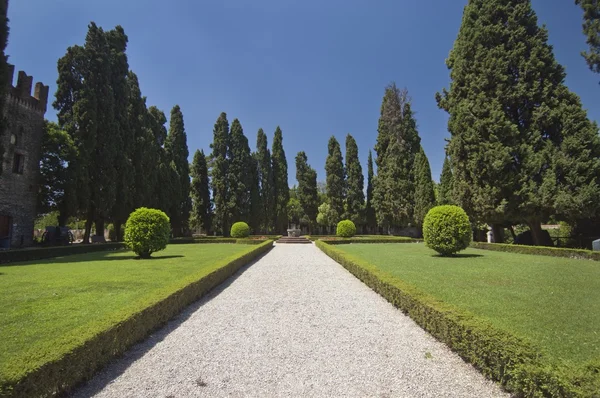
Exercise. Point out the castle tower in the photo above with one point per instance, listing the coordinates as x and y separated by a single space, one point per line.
22 142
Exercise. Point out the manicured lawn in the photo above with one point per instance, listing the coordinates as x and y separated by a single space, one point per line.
552 302
49 306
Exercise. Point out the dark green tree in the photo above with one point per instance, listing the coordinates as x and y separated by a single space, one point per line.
3 71
371 218
56 191
591 28
265 176
397 144
280 182
255 217
307 189
219 174
335 177
177 153
355 184
162 195
239 174
424 190
200 192
445 188
522 148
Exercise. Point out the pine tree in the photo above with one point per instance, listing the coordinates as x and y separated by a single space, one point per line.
200 193
239 174
355 185
446 185
335 177
397 144
522 148
280 182
424 190
307 189
177 153
591 28
219 174
370 216
265 175
3 71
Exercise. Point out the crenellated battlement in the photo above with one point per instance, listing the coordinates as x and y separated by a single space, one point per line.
21 92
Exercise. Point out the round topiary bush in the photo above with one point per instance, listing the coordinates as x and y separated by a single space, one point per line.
240 230
345 229
147 231
447 229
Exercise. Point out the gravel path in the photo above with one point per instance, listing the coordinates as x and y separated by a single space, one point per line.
295 323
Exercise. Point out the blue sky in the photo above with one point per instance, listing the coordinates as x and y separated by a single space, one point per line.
316 68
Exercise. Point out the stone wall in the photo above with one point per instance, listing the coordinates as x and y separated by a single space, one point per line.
22 143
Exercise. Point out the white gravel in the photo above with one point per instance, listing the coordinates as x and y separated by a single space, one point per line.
295 323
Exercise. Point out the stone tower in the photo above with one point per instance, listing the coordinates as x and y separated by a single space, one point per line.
22 142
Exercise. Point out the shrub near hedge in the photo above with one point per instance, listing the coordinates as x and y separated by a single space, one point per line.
345 229
447 229
147 231
61 376
520 367
240 230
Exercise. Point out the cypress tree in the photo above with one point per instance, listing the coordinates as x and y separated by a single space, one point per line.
397 143
335 177
355 196
200 192
3 71
239 174
522 148
424 190
177 153
370 216
256 206
446 184
265 176
219 171
307 189
280 182
160 193
141 146
591 28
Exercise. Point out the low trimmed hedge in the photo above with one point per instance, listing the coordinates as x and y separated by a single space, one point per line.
40 253
60 376
333 240
538 250
187 240
515 363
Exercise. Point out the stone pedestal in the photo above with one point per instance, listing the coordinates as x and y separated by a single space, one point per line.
596 245
294 232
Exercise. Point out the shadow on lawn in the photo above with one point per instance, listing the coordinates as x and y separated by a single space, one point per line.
119 365
459 255
109 255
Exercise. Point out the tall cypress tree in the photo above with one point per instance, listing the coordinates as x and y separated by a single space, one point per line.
219 174
397 144
371 218
160 193
280 182
355 196
591 28
3 71
256 206
200 192
307 189
445 188
335 177
424 190
522 147
239 174
177 152
265 175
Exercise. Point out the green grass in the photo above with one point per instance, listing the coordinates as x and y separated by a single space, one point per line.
552 302
49 306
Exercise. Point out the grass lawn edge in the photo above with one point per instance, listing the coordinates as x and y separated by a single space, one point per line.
83 361
513 362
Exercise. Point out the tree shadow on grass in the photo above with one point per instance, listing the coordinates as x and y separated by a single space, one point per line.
459 255
109 255
120 364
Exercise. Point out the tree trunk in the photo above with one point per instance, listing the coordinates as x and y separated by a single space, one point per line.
512 232
100 227
539 238
88 228
498 231
117 226
62 219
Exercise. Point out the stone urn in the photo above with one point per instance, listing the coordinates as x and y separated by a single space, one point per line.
293 231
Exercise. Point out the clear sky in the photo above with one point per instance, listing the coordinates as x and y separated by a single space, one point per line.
316 68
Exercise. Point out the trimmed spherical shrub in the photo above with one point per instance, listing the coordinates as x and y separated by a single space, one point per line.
447 229
147 231
345 229
240 230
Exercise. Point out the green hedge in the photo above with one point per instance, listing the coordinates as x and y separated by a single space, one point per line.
344 241
60 376
188 240
40 253
539 250
519 366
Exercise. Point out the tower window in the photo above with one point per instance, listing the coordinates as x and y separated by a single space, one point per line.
18 163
